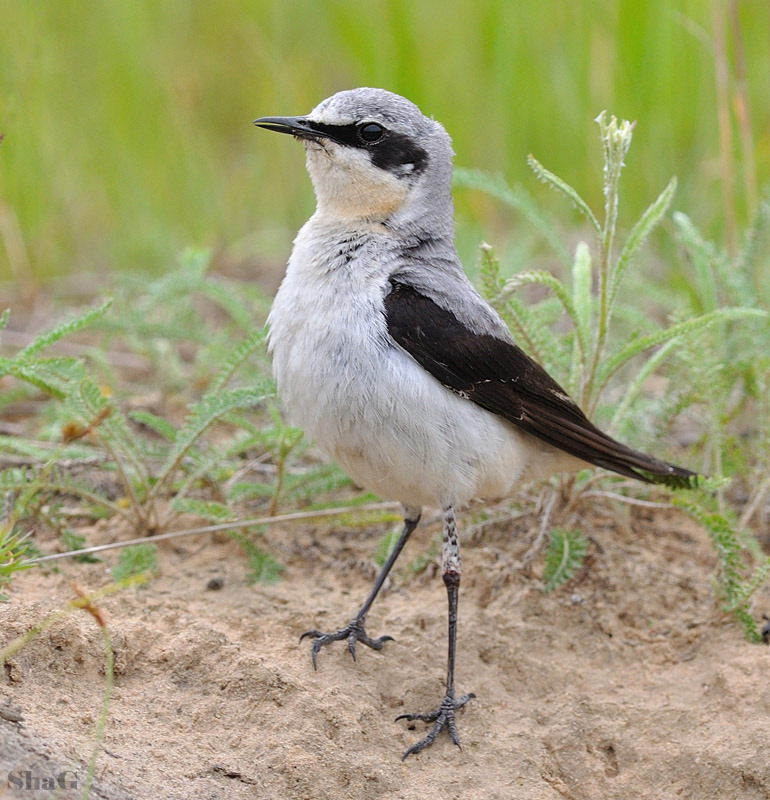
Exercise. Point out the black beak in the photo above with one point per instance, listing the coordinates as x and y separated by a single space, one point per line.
295 126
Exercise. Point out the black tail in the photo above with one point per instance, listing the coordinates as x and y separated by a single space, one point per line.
634 464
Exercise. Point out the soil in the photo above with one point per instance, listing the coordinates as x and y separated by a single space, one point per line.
625 683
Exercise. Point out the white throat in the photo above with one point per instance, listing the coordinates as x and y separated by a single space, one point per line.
349 187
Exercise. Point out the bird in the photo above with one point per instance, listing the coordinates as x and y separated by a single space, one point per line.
395 366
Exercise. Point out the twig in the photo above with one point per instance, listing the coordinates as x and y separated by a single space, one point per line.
632 501
759 497
545 521
297 515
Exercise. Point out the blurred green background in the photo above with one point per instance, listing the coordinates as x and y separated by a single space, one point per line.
128 129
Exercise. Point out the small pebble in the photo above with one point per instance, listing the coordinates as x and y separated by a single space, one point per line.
6 712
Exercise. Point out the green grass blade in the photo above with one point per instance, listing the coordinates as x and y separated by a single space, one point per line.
632 390
89 402
155 423
543 278
135 560
582 297
489 272
385 546
14 551
532 333
755 248
53 376
550 281
583 302
230 300
703 259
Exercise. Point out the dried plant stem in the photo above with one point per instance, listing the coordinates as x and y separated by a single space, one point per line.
723 118
543 528
245 523
742 112
760 495
622 498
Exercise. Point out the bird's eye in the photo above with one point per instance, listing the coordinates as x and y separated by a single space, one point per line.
371 132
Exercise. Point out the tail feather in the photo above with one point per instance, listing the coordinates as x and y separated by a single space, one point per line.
634 464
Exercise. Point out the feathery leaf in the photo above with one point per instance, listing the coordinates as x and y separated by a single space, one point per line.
565 554
555 182
646 224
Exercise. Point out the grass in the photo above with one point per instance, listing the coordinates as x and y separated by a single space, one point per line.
87 456
204 462
142 144
718 341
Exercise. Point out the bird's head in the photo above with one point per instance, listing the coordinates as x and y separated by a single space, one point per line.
372 154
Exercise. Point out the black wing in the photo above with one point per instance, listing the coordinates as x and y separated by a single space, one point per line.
500 377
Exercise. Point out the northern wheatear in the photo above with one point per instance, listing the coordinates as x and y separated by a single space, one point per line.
391 361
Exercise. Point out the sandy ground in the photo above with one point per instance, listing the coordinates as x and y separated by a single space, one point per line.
623 684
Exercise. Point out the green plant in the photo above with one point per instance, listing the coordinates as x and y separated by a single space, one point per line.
142 457
728 376
13 553
135 560
187 309
229 453
563 558
165 156
262 567
385 546
736 582
588 358
130 455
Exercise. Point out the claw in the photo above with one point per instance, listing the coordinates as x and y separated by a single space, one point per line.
444 716
352 645
354 632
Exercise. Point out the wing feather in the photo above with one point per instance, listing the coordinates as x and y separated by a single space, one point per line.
500 377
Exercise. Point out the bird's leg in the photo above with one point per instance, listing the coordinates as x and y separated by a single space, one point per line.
444 716
354 632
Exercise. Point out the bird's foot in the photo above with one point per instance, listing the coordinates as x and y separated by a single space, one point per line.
444 716
354 632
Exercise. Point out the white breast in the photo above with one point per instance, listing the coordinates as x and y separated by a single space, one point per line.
390 425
